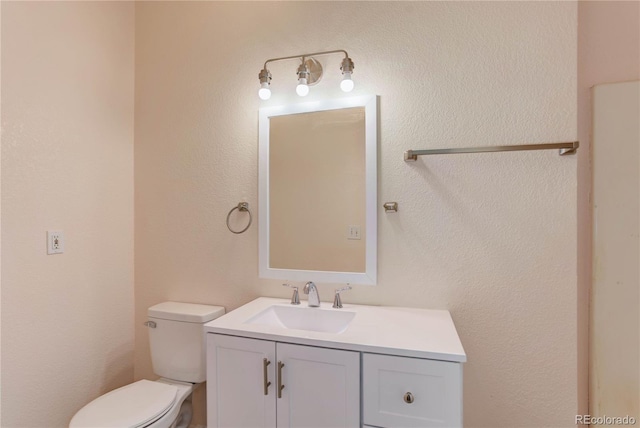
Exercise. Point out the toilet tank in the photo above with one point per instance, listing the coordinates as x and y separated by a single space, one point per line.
177 339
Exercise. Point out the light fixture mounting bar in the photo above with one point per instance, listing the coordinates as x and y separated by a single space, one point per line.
309 73
303 56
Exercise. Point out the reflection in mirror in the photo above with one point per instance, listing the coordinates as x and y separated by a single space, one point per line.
318 191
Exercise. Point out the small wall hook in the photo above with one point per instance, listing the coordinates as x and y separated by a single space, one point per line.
390 207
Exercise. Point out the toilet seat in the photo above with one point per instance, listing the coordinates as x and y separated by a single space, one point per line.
133 406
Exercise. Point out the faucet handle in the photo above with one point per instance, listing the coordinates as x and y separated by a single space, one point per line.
337 301
295 298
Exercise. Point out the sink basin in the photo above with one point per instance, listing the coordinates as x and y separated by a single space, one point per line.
304 318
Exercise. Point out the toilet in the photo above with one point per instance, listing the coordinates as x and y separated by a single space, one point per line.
176 338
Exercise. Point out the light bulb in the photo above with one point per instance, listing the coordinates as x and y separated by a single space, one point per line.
264 92
347 84
302 89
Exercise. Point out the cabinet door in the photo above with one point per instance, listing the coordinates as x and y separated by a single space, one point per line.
321 387
410 392
236 382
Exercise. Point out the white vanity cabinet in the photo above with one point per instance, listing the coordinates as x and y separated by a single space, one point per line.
319 387
236 369
386 367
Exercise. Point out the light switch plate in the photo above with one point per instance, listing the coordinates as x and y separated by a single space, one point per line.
353 232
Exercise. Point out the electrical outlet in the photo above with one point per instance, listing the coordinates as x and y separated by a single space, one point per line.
353 232
55 242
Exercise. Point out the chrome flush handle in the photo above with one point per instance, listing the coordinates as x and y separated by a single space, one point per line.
150 324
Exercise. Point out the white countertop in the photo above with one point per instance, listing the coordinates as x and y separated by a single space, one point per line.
408 332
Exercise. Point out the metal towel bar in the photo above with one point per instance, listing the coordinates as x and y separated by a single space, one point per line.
568 148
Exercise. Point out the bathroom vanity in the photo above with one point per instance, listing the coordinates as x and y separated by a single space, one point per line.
273 364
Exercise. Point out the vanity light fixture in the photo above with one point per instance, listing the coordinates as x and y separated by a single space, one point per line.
309 73
347 68
265 81
303 75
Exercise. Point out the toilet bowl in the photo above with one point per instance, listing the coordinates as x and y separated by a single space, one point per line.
159 404
177 348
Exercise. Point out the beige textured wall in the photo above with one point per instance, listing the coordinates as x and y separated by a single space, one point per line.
67 163
317 190
491 237
0 217
608 51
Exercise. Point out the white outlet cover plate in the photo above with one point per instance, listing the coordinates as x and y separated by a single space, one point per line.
55 242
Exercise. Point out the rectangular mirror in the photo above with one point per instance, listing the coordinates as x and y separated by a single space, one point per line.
318 191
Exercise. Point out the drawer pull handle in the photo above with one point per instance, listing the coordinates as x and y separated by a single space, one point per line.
280 384
408 398
265 380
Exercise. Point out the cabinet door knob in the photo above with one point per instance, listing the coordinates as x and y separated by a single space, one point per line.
408 398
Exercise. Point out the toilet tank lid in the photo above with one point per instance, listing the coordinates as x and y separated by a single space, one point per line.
186 312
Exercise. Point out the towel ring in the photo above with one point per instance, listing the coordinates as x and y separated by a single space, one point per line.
242 207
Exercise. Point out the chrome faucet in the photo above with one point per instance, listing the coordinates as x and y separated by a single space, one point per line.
314 298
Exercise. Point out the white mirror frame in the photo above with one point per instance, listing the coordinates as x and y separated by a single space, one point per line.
370 103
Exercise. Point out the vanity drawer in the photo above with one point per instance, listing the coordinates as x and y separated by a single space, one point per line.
411 392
